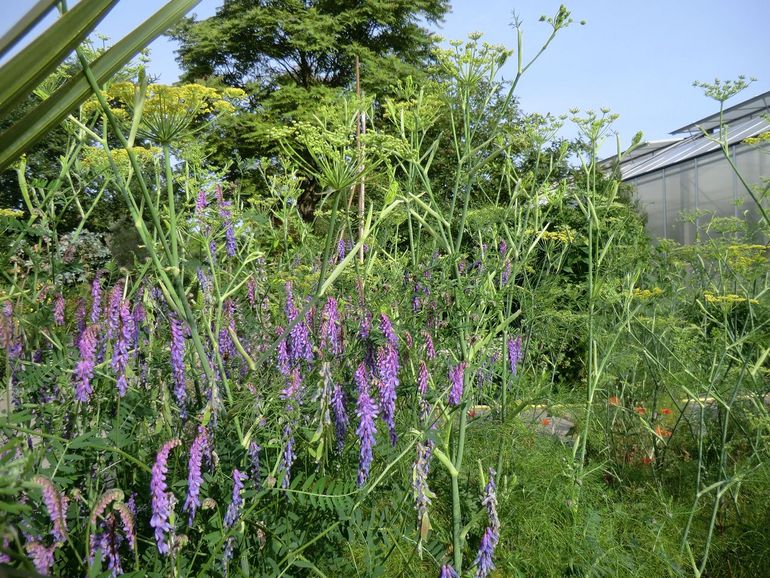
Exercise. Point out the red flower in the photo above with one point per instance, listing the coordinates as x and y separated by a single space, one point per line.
665 411
614 400
662 432
545 421
640 410
647 460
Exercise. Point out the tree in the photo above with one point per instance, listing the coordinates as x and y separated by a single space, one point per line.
292 55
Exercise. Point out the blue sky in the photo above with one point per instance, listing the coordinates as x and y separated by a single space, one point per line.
638 58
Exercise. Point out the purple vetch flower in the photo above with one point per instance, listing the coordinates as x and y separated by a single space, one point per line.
234 508
162 500
515 353
484 563
299 336
422 378
251 292
113 311
366 410
213 252
127 517
288 457
293 388
422 494
107 543
505 276
96 300
387 371
201 202
42 556
125 341
282 355
366 324
256 476
490 502
80 320
456 378
178 331
447 571
341 420
84 370
225 213
430 350
4 557
58 309
386 327
331 334
56 504
199 447
233 513
341 249
503 248
226 344
203 281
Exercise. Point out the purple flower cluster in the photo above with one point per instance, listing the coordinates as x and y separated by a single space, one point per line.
484 563
84 370
288 457
282 355
505 276
430 350
447 571
256 476
340 416
96 300
251 292
58 309
366 410
422 494
331 333
456 378
56 504
503 248
113 311
125 341
226 344
178 331
236 504
515 353
422 378
80 320
387 371
42 556
299 336
198 449
162 500
293 388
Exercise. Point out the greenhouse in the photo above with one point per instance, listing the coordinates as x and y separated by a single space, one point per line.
684 181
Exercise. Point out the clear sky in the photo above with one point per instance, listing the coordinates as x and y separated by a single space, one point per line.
636 57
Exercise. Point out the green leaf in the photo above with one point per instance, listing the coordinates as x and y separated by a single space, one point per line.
34 63
27 22
51 112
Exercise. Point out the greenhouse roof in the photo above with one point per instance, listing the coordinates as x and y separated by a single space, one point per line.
748 108
660 154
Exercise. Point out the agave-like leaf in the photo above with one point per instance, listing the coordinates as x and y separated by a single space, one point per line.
27 22
53 110
34 63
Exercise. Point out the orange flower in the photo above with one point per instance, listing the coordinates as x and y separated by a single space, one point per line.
614 400
662 432
665 411
640 410
646 460
545 421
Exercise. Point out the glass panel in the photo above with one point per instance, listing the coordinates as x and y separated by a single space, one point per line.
680 202
752 164
650 195
715 187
